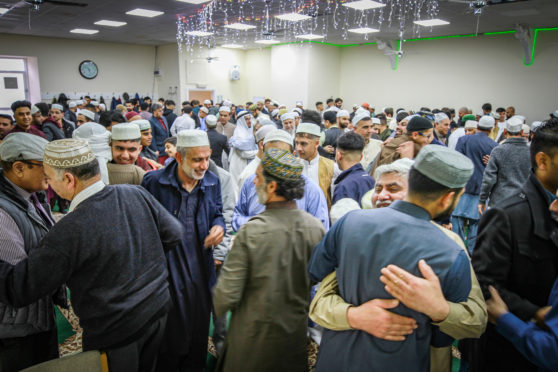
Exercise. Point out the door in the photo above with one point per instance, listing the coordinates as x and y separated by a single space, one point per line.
200 95
13 82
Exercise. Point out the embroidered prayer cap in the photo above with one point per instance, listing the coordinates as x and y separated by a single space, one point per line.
418 123
22 146
309 128
486 122
287 116
56 106
361 116
444 166
192 138
68 153
264 131
343 114
224 109
88 114
142 124
278 135
125 132
211 121
282 164
471 124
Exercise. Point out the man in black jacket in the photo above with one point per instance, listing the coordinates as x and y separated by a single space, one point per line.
27 334
517 252
115 267
217 141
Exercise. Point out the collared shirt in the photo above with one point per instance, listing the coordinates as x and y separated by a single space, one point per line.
311 168
86 193
181 123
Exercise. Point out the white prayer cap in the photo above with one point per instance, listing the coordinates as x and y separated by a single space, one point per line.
299 103
102 106
343 114
486 122
34 110
356 105
94 103
408 118
275 103
88 114
297 110
22 146
226 103
495 115
309 128
525 128
266 122
360 117
514 125
536 125
333 108
125 132
68 153
192 138
204 109
274 113
520 117
376 121
296 114
480 113
439 117
142 124
56 106
341 208
72 104
224 109
362 110
287 116
278 135
471 124
207 102
264 131
79 102
88 130
211 121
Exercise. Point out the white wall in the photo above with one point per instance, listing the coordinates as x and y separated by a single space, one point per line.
455 72
167 84
122 67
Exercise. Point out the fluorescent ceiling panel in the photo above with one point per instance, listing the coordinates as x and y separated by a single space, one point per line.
104 22
3 10
267 41
240 26
84 31
232 46
144 13
293 17
310 36
194 1
199 33
432 22
364 5
363 30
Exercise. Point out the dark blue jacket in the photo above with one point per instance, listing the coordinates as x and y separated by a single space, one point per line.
160 134
352 183
475 147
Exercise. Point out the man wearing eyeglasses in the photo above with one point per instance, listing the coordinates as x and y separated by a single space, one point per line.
27 334
420 132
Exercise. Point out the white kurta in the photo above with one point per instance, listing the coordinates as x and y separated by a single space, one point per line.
250 169
371 150
311 169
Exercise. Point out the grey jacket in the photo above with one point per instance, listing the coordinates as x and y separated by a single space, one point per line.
228 194
508 169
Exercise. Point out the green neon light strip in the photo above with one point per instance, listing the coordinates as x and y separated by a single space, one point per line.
397 55
536 34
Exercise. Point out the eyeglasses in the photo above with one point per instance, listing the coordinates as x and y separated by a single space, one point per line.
426 135
31 163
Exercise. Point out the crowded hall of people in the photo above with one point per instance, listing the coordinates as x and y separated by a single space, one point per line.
278 186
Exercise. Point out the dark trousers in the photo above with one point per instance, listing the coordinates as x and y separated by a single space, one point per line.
140 355
21 352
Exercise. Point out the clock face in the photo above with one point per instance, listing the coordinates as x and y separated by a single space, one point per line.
88 69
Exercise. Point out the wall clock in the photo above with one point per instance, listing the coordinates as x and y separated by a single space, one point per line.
88 69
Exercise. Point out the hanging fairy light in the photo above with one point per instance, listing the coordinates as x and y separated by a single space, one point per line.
212 24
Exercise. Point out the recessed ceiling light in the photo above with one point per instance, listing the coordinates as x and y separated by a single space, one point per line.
144 13
199 33
267 41
3 10
363 30
104 22
232 46
310 36
83 31
364 5
194 1
293 17
432 22
240 26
